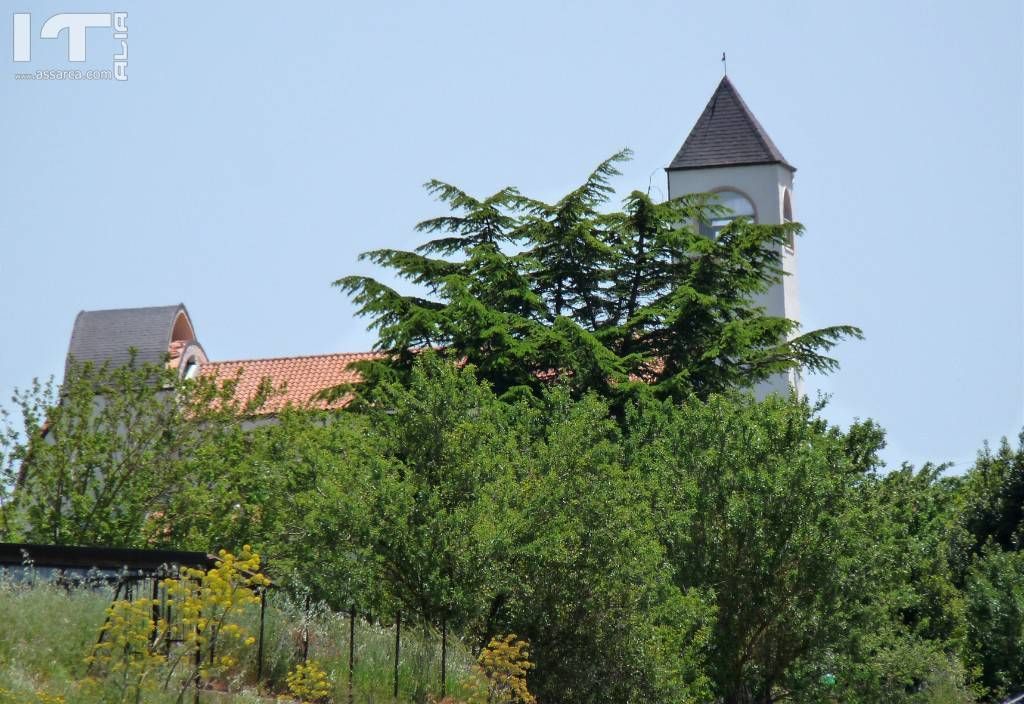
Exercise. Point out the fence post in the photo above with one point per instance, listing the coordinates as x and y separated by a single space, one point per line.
199 650
198 665
351 653
259 646
444 657
305 631
398 647
155 611
170 623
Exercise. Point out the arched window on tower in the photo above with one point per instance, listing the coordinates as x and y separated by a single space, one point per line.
787 216
739 206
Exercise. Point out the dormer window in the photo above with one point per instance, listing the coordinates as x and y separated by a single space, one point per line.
738 206
191 369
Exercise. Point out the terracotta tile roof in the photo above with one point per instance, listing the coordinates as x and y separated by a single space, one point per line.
301 378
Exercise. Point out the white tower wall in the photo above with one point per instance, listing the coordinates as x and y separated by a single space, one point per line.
765 186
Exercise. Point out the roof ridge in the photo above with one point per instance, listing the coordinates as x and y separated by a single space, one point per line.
132 308
289 357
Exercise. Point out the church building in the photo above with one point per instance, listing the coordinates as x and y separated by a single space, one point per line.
727 153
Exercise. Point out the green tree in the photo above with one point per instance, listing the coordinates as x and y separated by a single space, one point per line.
995 607
586 580
625 303
911 643
766 505
292 488
920 509
438 443
518 518
994 497
992 567
95 462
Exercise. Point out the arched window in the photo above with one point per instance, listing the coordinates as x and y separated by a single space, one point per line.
738 205
787 215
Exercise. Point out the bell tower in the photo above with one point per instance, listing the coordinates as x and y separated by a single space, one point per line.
729 153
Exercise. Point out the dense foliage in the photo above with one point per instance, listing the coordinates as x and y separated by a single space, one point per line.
96 462
562 446
625 303
768 506
724 548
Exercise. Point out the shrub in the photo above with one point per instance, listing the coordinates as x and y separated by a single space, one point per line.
133 651
309 683
502 668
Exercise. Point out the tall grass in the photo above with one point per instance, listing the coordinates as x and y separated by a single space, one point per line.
373 674
46 631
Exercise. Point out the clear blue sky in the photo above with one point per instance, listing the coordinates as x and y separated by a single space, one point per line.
253 153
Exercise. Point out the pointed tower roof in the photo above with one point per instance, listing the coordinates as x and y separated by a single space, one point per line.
727 134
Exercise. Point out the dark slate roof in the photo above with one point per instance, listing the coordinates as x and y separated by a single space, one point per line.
101 336
727 134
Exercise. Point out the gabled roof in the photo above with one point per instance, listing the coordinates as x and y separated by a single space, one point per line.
727 134
302 377
101 336
162 333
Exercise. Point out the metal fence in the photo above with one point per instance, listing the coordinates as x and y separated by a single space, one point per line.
133 572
